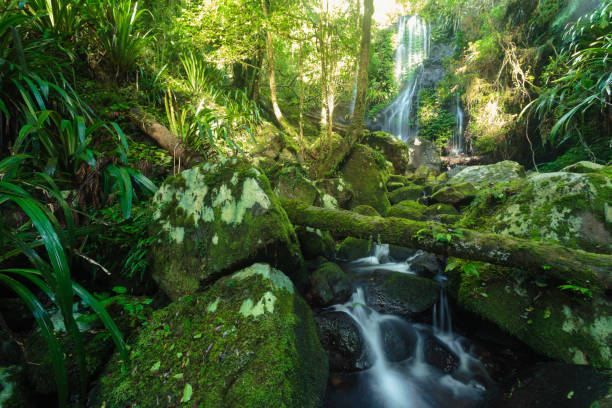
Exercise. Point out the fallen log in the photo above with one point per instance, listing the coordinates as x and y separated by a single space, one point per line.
568 265
164 138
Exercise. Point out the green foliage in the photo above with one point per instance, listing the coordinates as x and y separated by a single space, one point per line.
52 277
382 87
586 292
435 123
121 39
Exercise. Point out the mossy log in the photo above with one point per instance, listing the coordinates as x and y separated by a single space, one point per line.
580 267
164 138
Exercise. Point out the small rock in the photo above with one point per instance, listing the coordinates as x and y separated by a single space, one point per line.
330 285
366 210
406 193
341 339
353 248
456 194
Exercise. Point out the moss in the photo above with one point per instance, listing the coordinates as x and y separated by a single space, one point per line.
294 186
231 356
315 243
391 186
410 192
555 323
328 282
223 216
353 248
366 210
411 210
456 194
367 174
13 392
440 208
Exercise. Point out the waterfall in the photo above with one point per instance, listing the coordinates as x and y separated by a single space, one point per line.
457 145
413 48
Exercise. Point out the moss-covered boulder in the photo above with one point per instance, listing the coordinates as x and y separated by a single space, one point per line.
393 185
562 324
353 248
335 192
408 209
249 341
366 210
394 150
213 219
439 209
565 208
424 176
455 194
400 293
293 185
315 243
367 173
411 192
423 153
483 176
329 285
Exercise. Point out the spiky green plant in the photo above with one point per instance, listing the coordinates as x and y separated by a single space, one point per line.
52 276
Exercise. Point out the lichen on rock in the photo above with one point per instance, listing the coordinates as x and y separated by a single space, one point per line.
211 219
257 347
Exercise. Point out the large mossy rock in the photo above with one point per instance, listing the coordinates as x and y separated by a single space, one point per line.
407 209
561 324
423 153
483 176
565 208
216 218
249 341
352 249
410 192
394 150
367 172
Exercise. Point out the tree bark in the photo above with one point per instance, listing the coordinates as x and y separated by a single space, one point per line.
581 268
362 76
164 138
278 114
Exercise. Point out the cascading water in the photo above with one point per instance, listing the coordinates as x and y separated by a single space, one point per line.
413 382
412 50
458 142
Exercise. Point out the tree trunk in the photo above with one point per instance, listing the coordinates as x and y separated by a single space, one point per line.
272 76
164 138
581 268
362 76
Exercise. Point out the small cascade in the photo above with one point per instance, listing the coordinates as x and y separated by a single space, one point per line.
458 141
414 381
412 50
380 258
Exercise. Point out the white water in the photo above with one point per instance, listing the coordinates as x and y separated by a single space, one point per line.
458 141
380 259
412 383
413 48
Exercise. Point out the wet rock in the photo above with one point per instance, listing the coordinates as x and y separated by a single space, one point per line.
426 264
249 338
401 254
554 385
341 339
399 293
483 176
211 219
406 193
353 248
394 150
315 243
366 210
337 189
367 172
330 285
438 355
398 339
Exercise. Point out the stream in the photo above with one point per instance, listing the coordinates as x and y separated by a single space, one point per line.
413 381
